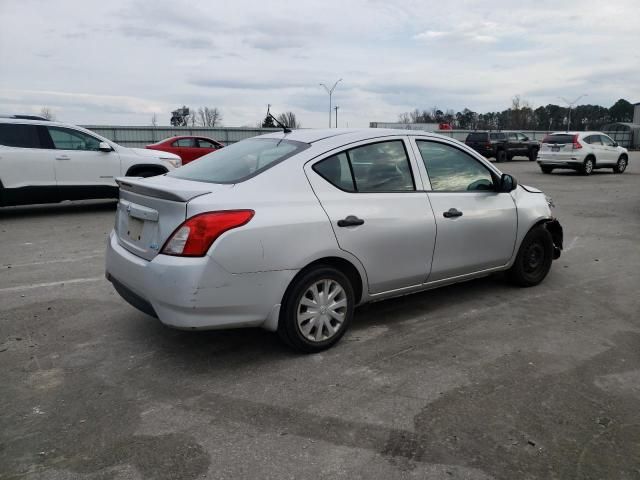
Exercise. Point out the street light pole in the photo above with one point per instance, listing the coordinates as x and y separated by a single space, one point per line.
330 92
570 105
336 109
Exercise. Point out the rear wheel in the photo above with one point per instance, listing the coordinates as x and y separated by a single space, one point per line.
546 169
587 166
621 165
533 261
501 156
533 154
317 310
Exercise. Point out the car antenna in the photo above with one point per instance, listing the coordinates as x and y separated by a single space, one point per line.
284 128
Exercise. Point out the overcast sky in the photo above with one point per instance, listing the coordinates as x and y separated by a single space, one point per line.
120 61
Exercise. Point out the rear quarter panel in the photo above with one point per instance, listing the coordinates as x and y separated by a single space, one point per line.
289 230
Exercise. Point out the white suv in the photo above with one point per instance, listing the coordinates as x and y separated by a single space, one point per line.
44 162
581 151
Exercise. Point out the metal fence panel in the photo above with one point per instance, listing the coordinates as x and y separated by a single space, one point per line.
139 136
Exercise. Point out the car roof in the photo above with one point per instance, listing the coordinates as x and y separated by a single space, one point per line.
346 135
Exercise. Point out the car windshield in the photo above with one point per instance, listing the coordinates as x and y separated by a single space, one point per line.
561 138
240 161
477 137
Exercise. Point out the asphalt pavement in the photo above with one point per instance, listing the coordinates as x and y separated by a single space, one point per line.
479 380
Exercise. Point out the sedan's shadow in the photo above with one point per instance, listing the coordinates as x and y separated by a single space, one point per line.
82 207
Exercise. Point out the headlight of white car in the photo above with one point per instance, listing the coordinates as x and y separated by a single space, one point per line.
175 162
550 201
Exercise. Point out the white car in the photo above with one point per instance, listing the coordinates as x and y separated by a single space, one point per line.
581 151
44 162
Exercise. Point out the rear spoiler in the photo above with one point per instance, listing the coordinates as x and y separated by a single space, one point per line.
150 188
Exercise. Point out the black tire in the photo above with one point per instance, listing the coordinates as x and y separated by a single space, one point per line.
621 165
588 165
289 327
501 155
534 258
546 169
533 154
147 173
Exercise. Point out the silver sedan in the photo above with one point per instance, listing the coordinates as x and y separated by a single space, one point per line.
291 231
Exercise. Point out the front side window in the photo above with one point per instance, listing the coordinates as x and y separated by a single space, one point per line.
606 140
184 142
68 139
240 161
513 137
453 170
377 167
522 137
498 136
19 135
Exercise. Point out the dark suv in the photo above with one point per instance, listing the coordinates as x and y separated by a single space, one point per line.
503 145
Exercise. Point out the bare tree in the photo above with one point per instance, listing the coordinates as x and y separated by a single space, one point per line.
154 120
289 119
209 117
46 112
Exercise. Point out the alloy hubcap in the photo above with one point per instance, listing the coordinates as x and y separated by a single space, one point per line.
588 166
622 164
322 310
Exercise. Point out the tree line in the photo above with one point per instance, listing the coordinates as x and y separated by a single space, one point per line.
522 116
212 117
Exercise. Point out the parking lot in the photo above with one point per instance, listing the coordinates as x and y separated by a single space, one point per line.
474 381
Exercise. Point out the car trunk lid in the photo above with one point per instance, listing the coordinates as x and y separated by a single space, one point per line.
150 209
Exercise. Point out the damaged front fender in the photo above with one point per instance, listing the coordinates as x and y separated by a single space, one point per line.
557 235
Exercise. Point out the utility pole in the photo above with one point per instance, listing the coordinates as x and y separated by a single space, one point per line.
570 105
336 109
330 92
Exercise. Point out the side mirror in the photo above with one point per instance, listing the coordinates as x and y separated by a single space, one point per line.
615 144
104 147
507 183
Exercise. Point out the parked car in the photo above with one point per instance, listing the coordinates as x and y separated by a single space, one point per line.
43 162
503 145
291 231
581 151
187 148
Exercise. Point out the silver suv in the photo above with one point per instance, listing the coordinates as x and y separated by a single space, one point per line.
581 151
290 232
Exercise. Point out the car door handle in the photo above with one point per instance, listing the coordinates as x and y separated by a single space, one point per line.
452 213
350 221
63 157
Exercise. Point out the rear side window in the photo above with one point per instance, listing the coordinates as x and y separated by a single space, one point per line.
240 161
558 139
498 136
202 143
377 167
477 137
17 135
593 140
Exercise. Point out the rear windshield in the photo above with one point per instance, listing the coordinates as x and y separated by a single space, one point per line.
560 138
240 161
477 137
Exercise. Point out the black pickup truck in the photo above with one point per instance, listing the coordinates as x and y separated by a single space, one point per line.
503 145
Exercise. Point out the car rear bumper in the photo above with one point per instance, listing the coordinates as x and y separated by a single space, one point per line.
195 293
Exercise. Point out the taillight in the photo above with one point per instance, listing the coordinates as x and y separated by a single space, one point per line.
194 237
576 144
488 145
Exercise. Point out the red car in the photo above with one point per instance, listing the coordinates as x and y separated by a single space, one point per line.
187 148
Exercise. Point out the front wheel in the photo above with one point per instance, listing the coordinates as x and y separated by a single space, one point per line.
317 310
546 169
621 165
533 261
501 156
533 154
